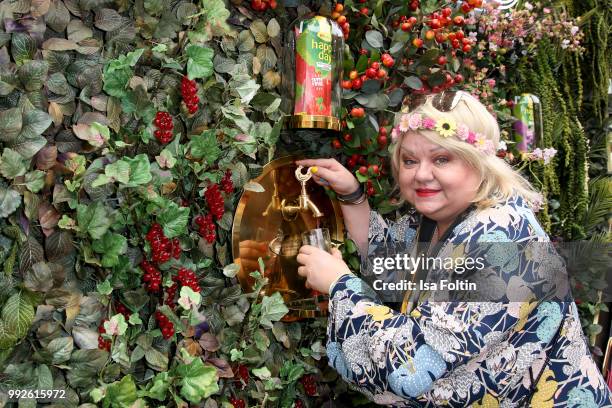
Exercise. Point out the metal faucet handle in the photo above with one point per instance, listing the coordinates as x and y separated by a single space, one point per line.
302 177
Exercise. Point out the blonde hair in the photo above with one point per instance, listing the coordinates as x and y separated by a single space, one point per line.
498 180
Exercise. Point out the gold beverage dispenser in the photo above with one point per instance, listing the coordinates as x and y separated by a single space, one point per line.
269 224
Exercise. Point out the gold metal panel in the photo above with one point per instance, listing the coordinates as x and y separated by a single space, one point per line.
259 222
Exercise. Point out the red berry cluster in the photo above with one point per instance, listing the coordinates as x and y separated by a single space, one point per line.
374 71
171 294
103 344
370 188
242 376
340 18
163 123
186 277
226 183
237 402
189 90
215 202
121 308
166 326
263 5
151 277
355 159
206 227
310 385
298 404
163 249
382 137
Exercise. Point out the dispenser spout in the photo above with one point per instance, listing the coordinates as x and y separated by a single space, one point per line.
304 202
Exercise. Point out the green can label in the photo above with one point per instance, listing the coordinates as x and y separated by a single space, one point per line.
313 67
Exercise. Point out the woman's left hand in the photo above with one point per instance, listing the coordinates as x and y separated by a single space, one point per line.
320 268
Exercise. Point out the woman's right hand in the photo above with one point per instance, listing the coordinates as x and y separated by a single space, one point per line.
330 173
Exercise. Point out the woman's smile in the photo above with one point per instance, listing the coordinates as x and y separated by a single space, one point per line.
426 192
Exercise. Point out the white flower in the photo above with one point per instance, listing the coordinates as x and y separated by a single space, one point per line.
502 145
404 123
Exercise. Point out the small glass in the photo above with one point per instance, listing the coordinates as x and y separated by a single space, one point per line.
318 237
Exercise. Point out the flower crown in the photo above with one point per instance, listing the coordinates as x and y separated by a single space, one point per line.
445 128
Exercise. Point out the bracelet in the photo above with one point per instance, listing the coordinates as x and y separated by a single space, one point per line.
353 197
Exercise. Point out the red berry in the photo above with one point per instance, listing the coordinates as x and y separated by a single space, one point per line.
363 170
336 144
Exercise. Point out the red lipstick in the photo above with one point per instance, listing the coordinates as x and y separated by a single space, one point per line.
426 192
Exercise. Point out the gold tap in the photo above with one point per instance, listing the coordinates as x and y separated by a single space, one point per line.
290 211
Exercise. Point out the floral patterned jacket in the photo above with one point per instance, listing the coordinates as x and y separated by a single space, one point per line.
458 354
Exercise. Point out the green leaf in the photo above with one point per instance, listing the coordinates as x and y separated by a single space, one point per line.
23 47
272 309
159 388
36 121
174 220
156 359
28 144
414 82
33 74
10 124
199 64
140 170
104 288
205 146
93 219
188 299
122 393
374 38
7 338
61 349
262 373
118 171
110 246
18 314
12 164
35 180
10 200
197 380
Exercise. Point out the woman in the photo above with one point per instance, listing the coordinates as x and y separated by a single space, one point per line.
504 353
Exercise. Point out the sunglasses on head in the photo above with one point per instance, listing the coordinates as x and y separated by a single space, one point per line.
444 101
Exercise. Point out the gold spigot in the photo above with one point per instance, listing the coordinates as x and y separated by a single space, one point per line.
304 203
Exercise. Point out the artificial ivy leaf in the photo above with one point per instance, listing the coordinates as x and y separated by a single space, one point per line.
18 314
38 278
61 349
35 180
245 86
262 373
28 144
174 220
272 309
122 393
198 381
12 164
205 146
199 64
33 74
160 386
7 338
23 47
117 171
374 38
156 359
93 219
10 124
140 170
110 246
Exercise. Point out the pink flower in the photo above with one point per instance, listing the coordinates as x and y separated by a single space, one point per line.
415 121
429 123
471 137
462 132
491 83
404 123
